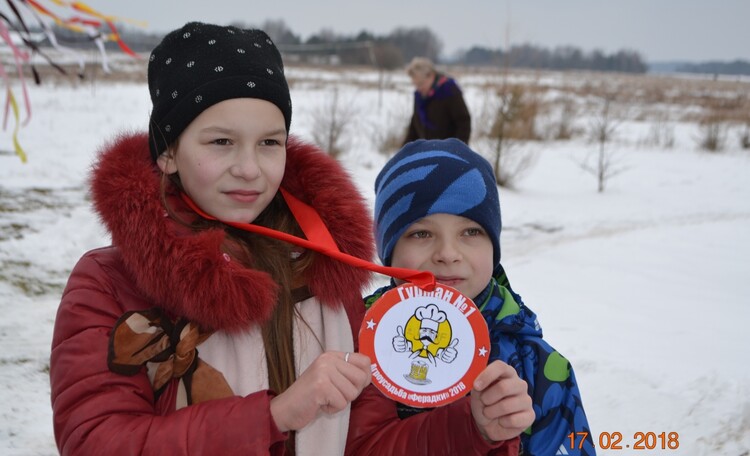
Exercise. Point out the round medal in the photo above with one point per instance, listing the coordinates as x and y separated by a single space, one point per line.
426 347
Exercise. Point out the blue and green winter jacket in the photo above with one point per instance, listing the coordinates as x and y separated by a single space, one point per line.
516 339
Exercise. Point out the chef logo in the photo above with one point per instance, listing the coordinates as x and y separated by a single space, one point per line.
426 347
427 336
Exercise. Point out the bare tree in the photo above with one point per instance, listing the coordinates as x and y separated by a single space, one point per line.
508 119
661 133
386 57
330 124
745 137
388 134
565 129
712 132
603 129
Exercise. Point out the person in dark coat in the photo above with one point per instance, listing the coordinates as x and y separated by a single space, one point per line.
439 108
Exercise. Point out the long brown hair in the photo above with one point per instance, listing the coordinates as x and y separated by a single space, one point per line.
275 258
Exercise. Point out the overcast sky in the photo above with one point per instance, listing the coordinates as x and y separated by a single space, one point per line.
694 30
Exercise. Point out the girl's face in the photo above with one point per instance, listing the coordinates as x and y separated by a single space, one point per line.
231 158
455 249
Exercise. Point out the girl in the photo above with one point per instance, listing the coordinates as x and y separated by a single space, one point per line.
193 335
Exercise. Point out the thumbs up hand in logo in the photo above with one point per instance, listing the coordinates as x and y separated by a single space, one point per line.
400 344
448 354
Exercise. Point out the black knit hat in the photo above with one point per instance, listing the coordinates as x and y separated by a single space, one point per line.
200 65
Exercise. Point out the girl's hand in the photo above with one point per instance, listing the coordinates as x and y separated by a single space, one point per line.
500 403
328 385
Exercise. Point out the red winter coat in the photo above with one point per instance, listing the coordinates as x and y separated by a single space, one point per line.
154 262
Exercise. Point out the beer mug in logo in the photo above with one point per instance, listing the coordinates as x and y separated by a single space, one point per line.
418 374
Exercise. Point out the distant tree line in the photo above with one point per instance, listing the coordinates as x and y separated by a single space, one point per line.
560 58
395 49
736 67
365 48
402 44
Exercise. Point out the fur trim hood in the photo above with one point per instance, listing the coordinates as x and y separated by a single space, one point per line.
187 274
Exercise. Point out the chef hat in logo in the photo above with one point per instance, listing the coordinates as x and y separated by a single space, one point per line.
430 316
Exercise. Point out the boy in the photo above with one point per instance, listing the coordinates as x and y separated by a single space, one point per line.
437 209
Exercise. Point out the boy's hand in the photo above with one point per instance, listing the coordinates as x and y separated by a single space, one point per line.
328 385
500 403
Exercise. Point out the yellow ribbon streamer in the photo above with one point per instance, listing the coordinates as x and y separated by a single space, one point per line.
83 7
86 26
16 145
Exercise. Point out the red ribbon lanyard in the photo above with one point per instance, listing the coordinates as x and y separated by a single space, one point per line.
319 239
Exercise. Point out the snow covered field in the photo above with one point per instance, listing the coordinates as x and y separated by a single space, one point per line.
644 287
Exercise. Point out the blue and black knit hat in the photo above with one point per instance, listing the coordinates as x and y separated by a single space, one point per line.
434 177
199 65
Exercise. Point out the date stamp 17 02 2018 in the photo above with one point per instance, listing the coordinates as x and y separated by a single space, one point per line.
640 440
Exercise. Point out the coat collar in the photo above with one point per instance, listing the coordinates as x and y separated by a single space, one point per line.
187 274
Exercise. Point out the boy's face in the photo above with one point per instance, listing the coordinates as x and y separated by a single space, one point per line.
455 249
